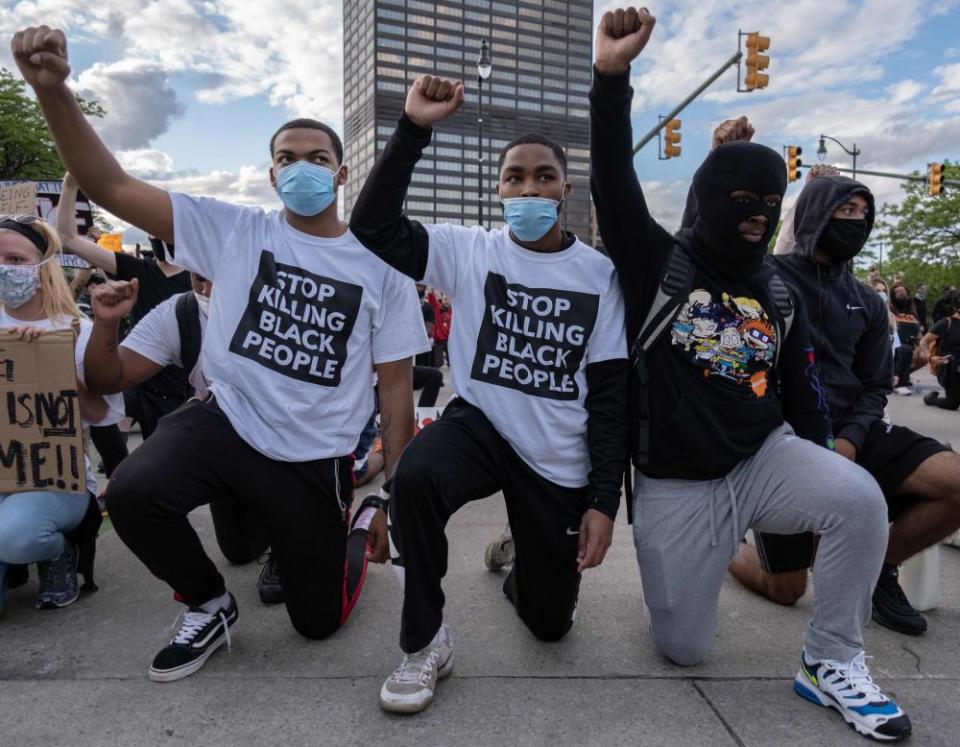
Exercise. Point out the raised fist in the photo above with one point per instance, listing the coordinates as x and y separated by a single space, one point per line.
621 37
432 99
822 169
41 55
732 130
114 299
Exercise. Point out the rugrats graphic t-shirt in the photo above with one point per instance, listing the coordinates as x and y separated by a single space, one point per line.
525 326
296 324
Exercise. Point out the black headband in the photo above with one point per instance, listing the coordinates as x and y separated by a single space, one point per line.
36 238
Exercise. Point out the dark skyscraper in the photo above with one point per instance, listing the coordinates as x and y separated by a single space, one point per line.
541 52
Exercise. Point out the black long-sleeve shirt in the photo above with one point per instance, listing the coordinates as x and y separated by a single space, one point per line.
718 387
537 338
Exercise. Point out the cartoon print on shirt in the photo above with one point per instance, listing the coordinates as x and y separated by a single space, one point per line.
733 338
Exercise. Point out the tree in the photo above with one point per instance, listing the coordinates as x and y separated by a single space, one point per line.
26 147
922 234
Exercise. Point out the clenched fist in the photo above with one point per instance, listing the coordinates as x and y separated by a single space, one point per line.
731 131
621 37
113 300
41 55
432 99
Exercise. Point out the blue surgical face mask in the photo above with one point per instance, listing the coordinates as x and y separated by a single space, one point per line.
19 283
530 218
306 188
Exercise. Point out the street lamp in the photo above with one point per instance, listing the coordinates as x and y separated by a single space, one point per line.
484 68
822 151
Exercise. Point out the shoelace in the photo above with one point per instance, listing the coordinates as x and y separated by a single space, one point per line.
194 622
416 668
859 675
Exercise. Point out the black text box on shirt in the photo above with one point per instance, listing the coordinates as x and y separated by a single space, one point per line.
297 323
533 339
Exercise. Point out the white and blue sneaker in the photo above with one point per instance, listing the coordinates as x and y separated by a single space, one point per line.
849 689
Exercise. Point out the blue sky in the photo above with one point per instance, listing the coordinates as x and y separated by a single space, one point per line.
195 88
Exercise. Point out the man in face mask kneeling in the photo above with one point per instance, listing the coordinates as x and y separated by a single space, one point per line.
725 382
920 476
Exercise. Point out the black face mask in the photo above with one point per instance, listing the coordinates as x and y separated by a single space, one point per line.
734 167
901 304
842 240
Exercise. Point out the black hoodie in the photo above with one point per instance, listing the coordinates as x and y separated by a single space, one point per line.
849 324
715 393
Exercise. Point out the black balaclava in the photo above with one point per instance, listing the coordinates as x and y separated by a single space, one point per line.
730 167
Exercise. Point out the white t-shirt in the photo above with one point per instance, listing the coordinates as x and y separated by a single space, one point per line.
115 411
525 326
296 324
157 338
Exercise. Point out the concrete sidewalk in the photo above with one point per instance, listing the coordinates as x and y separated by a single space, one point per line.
78 676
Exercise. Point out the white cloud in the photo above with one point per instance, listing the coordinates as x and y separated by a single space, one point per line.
904 90
137 97
146 163
248 185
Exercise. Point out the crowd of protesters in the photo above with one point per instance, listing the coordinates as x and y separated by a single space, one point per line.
269 360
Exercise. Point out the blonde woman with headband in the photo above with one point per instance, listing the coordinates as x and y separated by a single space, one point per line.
35 298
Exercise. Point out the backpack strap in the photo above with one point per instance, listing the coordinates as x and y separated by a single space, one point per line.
783 303
188 323
674 288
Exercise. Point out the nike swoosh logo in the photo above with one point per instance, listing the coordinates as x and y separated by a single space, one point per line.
571 533
855 308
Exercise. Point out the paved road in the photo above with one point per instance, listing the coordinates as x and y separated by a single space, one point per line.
78 676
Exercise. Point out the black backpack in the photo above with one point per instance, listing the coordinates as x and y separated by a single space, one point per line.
188 322
675 287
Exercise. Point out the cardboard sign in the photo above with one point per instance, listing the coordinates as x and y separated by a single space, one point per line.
47 199
111 241
41 436
18 199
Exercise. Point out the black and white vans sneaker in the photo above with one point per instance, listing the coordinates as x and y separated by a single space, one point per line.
198 636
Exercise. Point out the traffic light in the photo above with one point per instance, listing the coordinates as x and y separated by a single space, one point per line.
934 179
793 162
671 138
756 61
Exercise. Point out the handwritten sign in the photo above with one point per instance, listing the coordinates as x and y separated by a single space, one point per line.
111 241
41 436
47 199
18 199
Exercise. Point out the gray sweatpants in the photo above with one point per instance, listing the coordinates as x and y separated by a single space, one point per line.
687 531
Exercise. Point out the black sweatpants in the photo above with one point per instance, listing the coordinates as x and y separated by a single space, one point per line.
902 363
950 400
196 456
430 380
111 445
462 458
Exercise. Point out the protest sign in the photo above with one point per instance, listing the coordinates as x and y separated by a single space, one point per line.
111 241
72 260
47 197
41 436
18 199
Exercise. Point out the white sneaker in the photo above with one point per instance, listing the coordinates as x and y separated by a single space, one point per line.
500 553
410 688
848 688
903 391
